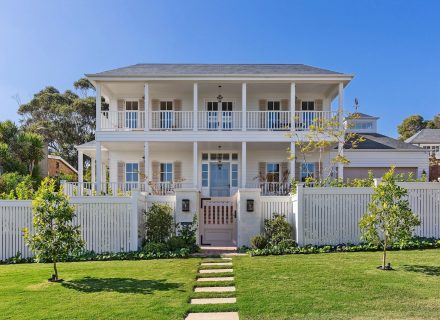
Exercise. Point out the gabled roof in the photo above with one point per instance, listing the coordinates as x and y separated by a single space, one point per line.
376 141
50 156
425 136
173 69
360 115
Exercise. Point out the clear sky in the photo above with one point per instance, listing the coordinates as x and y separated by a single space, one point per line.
392 47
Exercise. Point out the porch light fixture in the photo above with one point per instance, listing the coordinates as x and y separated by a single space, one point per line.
219 158
185 205
250 205
219 97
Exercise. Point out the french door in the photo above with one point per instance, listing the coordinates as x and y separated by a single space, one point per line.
308 118
131 114
219 115
166 114
273 119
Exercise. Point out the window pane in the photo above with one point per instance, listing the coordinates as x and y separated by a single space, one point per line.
204 156
235 156
225 156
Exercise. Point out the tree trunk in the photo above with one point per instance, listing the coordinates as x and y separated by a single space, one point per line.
384 260
55 270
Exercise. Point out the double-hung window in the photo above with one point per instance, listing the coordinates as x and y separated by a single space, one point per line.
273 172
131 175
166 172
307 171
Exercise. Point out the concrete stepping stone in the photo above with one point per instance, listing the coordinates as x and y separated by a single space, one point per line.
213 300
214 289
214 270
216 264
213 316
217 259
215 279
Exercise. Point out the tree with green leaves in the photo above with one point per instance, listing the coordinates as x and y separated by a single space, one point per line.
54 236
389 218
413 124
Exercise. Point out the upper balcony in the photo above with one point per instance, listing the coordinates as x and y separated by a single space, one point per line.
214 120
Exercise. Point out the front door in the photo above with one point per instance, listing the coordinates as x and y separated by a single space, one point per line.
219 179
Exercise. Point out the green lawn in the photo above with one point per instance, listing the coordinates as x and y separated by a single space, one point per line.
154 289
316 286
339 286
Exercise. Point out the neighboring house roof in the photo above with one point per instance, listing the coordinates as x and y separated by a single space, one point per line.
63 161
376 141
428 136
168 69
360 115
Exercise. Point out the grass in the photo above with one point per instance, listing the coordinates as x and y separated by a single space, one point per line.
339 286
153 289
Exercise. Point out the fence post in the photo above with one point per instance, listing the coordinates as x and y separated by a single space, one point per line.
300 215
134 221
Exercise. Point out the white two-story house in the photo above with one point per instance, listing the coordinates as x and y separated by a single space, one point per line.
215 129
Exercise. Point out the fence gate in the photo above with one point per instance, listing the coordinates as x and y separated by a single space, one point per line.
218 223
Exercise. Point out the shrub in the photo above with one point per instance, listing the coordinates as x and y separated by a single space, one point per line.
259 241
159 222
175 243
188 232
287 243
277 229
155 247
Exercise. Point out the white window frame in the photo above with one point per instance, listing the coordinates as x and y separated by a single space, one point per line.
166 172
308 172
308 101
230 161
279 171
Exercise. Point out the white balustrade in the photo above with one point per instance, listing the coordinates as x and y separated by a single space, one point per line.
122 120
219 120
319 119
268 120
172 120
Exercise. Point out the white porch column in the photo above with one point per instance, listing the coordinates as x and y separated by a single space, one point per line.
292 105
195 164
93 171
292 162
147 164
195 105
146 107
80 167
98 106
243 105
243 164
98 166
341 126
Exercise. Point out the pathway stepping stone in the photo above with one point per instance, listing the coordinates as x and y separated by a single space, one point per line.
215 279
213 300
222 258
213 316
215 270
207 264
214 289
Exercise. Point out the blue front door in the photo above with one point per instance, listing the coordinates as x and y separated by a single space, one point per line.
219 178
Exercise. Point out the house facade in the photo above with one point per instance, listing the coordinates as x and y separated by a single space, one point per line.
204 132
429 139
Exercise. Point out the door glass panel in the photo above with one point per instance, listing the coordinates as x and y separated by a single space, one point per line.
227 115
212 114
219 180
273 119
308 118
131 114
166 114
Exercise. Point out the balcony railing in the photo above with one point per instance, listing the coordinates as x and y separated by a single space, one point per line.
217 120
272 188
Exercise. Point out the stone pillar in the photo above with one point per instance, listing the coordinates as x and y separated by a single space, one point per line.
248 223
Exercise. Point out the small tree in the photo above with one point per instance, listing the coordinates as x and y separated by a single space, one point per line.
159 222
54 236
389 217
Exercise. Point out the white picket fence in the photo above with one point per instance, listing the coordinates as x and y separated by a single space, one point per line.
281 205
332 215
107 224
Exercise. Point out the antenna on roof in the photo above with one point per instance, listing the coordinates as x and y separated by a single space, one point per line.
356 105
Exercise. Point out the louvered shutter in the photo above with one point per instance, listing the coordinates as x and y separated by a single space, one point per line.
262 171
177 106
298 104
318 105
285 105
155 103
120 115
142 171
155 168
177 171
141 104
262 105
298 171
318 165
155 117
284 171
121 172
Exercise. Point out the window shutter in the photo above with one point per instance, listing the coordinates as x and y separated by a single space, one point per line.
141 104
318 104
297 171
284 172
141 171
177 171
262 171
120 115
298 104
262 104
177 106
155 103
155 168
317 166
121 172
285 105
121 105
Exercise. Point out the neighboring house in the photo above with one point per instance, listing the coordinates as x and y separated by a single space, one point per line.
429 139
377 153
57 165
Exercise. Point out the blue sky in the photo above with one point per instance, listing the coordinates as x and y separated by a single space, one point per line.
392 47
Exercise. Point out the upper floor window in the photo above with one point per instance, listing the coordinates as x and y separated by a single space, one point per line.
363 125
166 172
273 105
131 175
273 172
308 105
166 105
131 105
307 171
